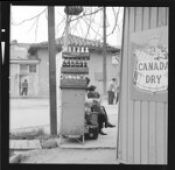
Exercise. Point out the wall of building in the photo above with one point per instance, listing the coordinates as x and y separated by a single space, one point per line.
43 73
95 71
18 51
16 77
142 123
14 80
18 56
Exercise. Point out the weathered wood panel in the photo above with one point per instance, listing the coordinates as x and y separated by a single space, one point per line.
159 133
137 108
143 124
130 142
152 134
165 131
123 109
144 105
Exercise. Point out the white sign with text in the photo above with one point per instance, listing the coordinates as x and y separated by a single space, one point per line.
151 68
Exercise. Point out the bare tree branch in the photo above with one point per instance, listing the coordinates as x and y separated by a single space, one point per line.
86 14
116 21
92 27
87 33
31 18
60 13
33 25
75 25
60 23
96 34
36 29
82 32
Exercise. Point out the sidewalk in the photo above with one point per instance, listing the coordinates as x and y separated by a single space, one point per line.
71 156
102 150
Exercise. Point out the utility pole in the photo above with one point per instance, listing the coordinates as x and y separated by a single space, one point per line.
52 70
104 50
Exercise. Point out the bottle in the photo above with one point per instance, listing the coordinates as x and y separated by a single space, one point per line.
78 76
74 49
85 64
78 49
81 76
70 49
81 63
64 63
68 63
82 49
86 49
72 63
61 76
77 63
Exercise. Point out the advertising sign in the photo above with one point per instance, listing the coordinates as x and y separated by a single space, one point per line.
151 69
149 62
115 60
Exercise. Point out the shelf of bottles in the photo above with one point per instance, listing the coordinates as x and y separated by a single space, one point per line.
75 67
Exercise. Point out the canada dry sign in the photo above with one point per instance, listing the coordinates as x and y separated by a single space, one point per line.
151 69
149 64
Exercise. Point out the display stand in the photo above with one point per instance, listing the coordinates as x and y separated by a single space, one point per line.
73 88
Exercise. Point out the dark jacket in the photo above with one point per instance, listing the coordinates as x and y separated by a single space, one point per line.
93 95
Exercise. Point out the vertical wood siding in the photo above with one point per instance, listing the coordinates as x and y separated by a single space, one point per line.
143 124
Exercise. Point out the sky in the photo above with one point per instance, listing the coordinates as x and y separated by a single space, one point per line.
36 30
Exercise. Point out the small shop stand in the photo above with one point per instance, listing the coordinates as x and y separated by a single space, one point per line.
73 88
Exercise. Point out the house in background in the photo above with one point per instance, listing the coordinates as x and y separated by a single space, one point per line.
38 56
23 66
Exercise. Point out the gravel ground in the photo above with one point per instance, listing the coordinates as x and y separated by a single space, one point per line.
71 156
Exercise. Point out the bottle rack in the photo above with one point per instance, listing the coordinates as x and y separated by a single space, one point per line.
75 67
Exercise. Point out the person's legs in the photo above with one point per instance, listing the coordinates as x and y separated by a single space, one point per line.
117 98
101 120
22 93
106 120
26 91
112 97
109 97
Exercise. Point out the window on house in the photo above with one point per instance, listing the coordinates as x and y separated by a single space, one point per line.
23 68
32 68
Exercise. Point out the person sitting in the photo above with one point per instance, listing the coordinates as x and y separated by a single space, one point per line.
92 93
93 97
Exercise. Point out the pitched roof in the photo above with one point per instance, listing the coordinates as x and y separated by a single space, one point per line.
78 41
